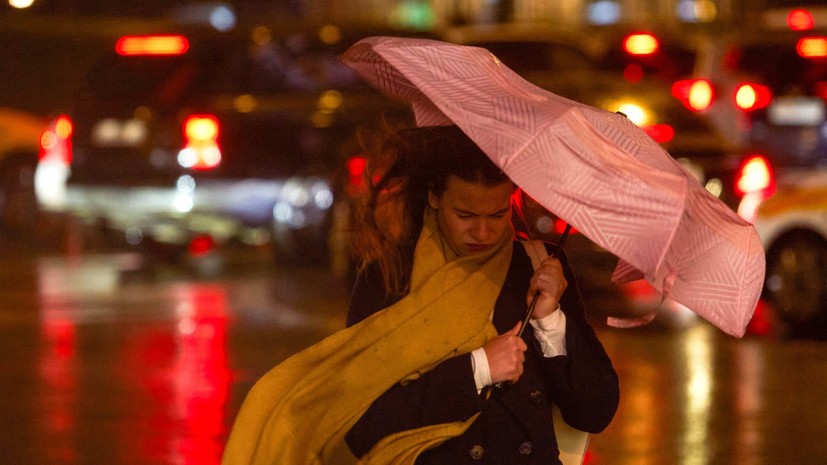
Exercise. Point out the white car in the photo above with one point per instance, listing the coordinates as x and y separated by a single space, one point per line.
792 225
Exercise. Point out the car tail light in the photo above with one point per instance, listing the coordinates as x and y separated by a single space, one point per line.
755 182
695 94
641 44
201 245
356 171
633 73
661 133
800 19
56 141
152 45
201 151
755 175
749 97
814 47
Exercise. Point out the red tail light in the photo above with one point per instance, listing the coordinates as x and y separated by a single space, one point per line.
56 141
800 20
201 245
356 171
749 97
695 94
201 151
641 44
661 133
755 175
152 45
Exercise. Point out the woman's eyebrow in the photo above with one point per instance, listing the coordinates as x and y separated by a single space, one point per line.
462 211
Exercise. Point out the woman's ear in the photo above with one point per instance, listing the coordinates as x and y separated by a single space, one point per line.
433 200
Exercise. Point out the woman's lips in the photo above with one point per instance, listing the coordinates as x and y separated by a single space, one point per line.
476 247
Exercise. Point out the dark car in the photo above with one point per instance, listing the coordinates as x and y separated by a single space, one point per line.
190 135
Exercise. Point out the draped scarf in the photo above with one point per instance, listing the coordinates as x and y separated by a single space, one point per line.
300 410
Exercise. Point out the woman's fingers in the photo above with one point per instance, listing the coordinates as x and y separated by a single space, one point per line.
506 356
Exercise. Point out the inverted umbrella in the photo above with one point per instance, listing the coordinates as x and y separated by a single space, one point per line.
591 167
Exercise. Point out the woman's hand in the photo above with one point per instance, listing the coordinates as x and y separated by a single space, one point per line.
550 282
506 355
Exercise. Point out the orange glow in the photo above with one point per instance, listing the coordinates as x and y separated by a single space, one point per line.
800 20
695 94
201 128
641 44
812 47
152 45
55 140
63 127
201 151
750 97
755 175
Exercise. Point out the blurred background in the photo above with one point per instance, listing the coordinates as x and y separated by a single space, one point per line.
176 180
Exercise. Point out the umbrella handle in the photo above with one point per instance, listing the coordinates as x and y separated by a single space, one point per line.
537 294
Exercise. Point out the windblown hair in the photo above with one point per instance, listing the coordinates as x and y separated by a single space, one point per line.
401 169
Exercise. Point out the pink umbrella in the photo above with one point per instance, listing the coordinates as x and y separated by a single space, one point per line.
593 168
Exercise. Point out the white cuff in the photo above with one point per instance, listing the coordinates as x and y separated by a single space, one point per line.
482 374
551 333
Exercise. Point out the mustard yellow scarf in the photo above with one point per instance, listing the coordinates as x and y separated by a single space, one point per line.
299 411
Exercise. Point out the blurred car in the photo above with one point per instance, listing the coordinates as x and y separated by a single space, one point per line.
785 155
19 145
792 225
186 137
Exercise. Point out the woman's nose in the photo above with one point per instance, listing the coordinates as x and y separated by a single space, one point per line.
481 231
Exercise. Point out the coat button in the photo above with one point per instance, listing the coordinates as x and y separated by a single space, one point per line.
536 397
525 448
476 452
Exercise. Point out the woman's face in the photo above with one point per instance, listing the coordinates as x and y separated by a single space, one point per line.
472 216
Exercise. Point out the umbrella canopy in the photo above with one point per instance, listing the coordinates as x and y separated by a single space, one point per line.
593 168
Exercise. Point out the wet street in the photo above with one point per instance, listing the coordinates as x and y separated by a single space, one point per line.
105 363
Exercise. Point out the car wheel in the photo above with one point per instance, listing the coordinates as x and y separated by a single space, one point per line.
18 201
795 284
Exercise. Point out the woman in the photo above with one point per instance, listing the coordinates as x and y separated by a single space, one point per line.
435 182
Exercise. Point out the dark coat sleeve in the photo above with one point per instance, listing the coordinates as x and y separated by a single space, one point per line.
444 394
583 383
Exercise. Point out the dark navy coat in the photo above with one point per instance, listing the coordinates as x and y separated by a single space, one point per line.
516 424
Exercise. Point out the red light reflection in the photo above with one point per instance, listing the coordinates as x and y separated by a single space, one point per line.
151 391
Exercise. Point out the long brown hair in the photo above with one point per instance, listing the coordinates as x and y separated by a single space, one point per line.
402 168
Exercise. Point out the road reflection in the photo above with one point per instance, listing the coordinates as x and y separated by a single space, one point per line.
109 366
170 379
